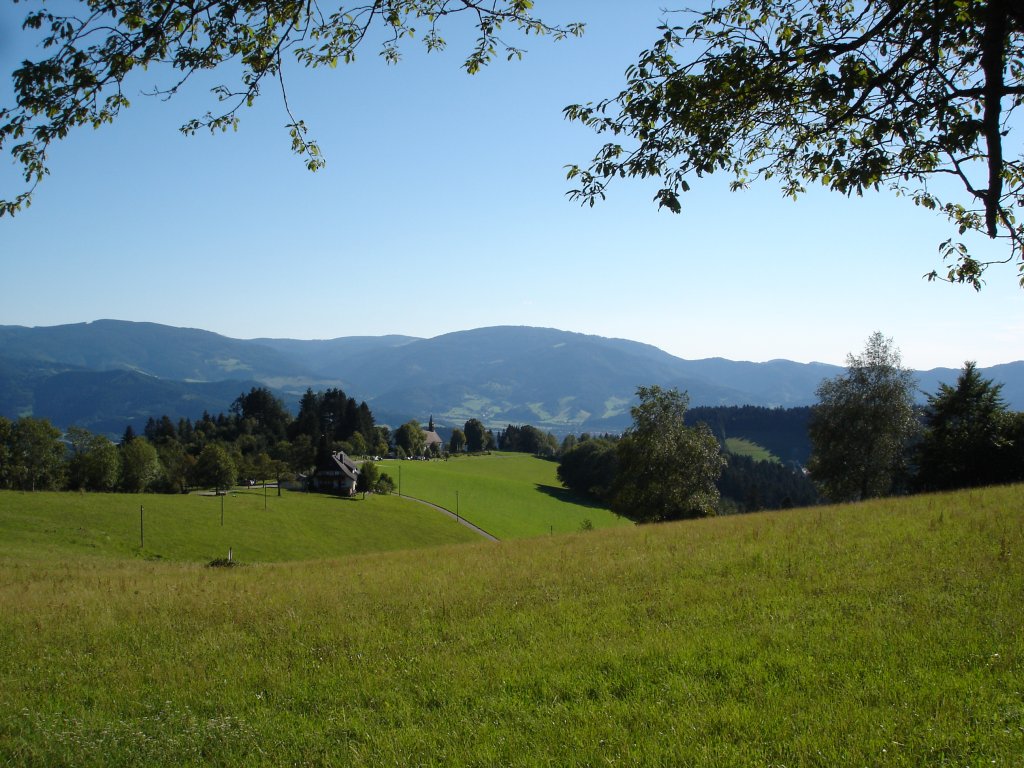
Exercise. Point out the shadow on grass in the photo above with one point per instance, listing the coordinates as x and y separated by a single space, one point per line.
349 499
564 494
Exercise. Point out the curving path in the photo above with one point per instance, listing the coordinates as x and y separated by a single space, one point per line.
453 516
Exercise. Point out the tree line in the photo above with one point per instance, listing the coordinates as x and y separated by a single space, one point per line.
258 439
866 436
669 466
472 437
869 439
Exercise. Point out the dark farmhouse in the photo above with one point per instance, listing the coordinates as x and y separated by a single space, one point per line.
335 474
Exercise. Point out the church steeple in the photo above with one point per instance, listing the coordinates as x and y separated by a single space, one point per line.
430 426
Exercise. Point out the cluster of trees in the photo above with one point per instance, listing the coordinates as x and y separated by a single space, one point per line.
869 439
410 440
528 439
477 437
748 485
592 466
35 456
31 454
334 421
257 440
372 480
660 469
473 437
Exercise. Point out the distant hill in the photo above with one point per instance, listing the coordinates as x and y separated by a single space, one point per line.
534 375
553 379
108 401
180 354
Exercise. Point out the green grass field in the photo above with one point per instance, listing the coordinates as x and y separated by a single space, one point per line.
882 634
510 495
743 447
296 526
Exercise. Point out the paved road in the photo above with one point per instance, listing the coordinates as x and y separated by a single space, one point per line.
453 516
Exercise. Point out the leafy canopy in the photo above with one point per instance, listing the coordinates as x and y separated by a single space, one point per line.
967 440
590 468
476 435
369 476
98 44
852 95
666 470
215 468
862 424
410 438
31 454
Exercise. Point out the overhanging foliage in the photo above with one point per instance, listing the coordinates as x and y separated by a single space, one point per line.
98 44
855 96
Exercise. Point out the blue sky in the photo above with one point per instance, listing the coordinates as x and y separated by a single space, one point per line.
443 207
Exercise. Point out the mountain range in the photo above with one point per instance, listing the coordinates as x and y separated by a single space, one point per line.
107 374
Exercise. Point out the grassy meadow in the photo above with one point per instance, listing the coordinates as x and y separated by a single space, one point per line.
295 526
882 634
509 495
743 447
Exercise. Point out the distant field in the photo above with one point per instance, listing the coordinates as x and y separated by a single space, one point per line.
881 634
742 447
296 526
510 495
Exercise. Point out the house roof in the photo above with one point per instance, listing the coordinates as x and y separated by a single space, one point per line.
344 459
339 463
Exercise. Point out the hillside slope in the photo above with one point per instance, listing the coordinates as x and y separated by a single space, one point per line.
886 633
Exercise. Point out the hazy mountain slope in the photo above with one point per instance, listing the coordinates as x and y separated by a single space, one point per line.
18 381
326 357
774 383
183 354
1012 376
513 374
108 401
553 379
